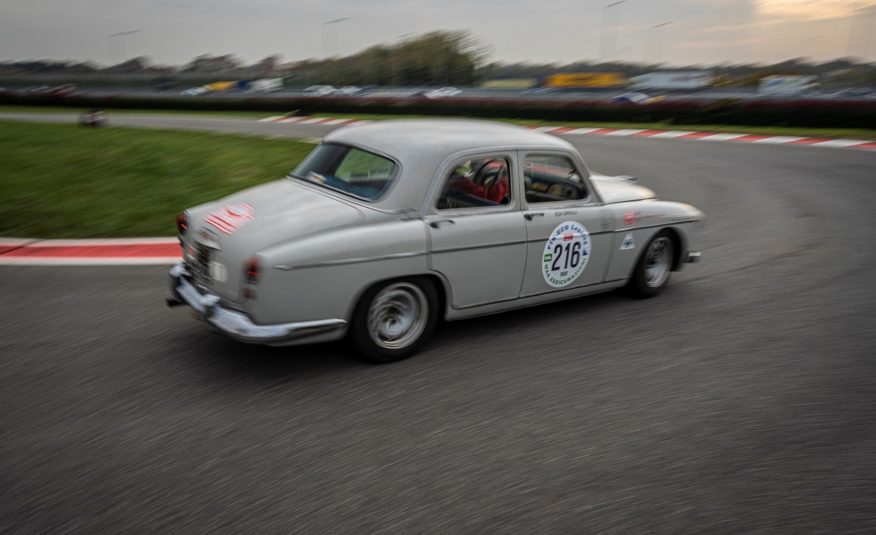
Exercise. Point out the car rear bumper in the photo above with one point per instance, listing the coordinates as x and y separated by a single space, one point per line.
238 325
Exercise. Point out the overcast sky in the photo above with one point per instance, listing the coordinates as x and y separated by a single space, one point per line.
702 31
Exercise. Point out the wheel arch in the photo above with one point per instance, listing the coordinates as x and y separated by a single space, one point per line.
678 245
441 288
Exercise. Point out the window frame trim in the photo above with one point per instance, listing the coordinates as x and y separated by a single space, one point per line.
592 198
509 155
292 175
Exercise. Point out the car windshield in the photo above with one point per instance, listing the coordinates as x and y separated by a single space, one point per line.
347 169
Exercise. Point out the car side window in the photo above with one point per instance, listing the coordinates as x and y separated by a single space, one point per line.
477 182
552 178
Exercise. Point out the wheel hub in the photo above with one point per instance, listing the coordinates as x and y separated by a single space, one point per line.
397 315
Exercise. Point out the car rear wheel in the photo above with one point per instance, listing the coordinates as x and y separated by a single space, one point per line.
394 319
654 267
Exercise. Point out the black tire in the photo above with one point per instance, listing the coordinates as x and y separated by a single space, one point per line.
373 340
646 281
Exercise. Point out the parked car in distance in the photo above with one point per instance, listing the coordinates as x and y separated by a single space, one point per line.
320 90
635 97
442 92
348 90
855 93
93 118
386 228
194 91
64 90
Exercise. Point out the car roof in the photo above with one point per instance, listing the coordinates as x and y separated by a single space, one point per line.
421 145
399 138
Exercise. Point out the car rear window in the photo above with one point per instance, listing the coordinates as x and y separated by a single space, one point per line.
347 169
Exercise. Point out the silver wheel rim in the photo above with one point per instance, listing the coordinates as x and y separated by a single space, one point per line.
397 315
658 262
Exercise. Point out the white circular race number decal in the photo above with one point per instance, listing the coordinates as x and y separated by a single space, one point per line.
565 254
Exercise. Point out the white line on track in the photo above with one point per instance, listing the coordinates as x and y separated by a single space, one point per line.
581 131
722 137
839 143
624 132
778 140
672 134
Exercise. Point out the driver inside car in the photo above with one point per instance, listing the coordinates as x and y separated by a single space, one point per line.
490 182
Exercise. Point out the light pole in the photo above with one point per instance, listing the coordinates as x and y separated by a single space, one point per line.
658 40
869 31
810 40
121 41
325 25
608 41
864 20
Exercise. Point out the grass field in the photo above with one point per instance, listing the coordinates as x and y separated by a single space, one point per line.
64 181
853 133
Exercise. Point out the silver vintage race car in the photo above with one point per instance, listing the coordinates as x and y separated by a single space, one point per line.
388 227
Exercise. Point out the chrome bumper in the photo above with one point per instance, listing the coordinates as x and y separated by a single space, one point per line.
237 325
693 257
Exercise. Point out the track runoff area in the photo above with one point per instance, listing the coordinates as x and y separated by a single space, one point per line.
857 144
166 251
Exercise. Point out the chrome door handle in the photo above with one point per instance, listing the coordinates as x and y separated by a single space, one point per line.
531 215
437 223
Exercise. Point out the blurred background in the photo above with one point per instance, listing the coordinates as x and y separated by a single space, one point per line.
741 400
706 49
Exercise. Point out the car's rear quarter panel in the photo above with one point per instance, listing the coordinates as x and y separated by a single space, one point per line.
322 276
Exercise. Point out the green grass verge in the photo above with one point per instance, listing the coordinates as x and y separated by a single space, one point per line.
854 133
64 181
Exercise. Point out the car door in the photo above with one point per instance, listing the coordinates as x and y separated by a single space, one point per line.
568 230
477 234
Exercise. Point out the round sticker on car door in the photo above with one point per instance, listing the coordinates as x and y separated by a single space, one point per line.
565 254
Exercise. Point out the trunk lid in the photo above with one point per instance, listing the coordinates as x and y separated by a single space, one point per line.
226 233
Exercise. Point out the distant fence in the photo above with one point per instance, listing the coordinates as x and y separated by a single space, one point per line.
808 113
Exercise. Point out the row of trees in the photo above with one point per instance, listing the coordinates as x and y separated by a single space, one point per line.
436 58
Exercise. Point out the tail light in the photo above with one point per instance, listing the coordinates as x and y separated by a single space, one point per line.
252 270
182 223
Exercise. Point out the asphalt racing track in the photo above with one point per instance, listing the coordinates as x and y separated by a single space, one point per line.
741 400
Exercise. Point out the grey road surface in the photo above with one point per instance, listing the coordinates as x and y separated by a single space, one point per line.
742 400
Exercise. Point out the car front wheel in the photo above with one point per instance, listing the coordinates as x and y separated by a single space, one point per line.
652 271
394 319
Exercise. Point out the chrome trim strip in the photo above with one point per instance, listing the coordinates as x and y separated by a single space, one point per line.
485 246
507 243
554 290
683 221
344 261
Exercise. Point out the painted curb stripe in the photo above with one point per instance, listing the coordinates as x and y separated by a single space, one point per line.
80 261
40 250
857 144
109 242
117 252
